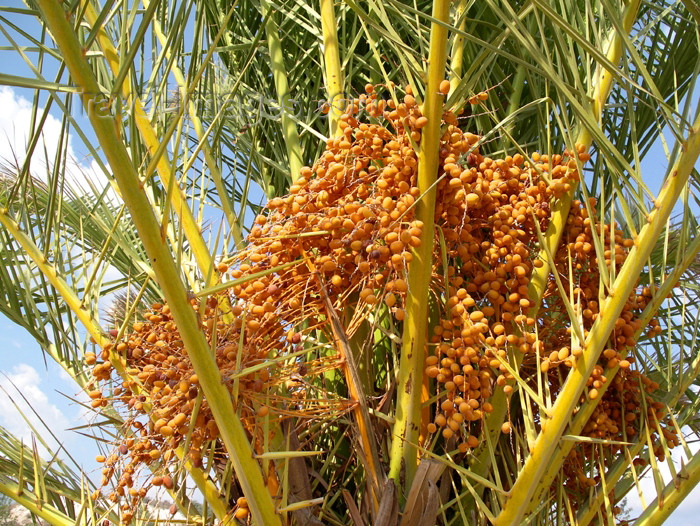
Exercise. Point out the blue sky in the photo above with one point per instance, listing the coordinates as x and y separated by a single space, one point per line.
47 387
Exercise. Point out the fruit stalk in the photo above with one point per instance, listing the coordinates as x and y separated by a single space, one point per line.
331 62
375 475
404 452
457 52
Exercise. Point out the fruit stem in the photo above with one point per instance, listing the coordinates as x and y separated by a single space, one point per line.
331 59
457 54
514 102
404 451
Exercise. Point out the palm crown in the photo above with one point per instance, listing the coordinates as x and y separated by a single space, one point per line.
388 261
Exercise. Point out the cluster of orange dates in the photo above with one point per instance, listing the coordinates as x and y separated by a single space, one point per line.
347 231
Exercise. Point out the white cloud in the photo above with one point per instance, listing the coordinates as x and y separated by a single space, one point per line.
15 126
15 123
63 375
24 381
43 393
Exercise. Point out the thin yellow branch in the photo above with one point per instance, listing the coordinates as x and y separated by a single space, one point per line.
457 55
199 130
621 466
404 451
62 287
331 61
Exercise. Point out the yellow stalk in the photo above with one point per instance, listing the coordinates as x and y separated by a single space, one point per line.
284 99
179 204
514 103
331 61
560 208
404 452
457 60
35 505
199 130
547 441
167 274
672 495
211 278
62 287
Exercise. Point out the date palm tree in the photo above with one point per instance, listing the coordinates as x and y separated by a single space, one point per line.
387 262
